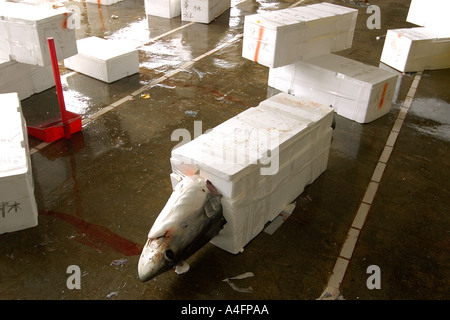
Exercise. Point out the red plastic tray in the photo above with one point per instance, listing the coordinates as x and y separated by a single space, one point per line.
53 129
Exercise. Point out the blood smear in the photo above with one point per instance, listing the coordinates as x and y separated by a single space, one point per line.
97 236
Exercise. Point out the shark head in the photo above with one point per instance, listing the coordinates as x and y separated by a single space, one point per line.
192 216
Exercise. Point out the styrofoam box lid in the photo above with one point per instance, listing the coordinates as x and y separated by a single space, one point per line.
258 130
329 7
286 17
103 49
291 17
313 13
422 33
300 107
355 70
13 157
254 130
28 14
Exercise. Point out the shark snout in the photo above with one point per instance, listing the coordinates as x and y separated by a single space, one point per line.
155 259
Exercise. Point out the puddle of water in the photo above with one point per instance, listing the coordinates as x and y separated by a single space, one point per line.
441 132
431 117
431 109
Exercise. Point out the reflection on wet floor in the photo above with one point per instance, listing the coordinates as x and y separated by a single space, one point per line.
85 95
431 117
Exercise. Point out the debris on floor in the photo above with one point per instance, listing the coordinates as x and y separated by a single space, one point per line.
182 267
112 294
282 217
239 277
119 262
331 294
191 113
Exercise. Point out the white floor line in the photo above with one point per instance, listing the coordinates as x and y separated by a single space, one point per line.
334 282
168 33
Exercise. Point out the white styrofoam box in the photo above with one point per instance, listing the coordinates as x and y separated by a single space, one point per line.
316 114
203 11
24 30
101 2
42 78
17 79
18 209
290 183
233 155
430 13
283 124
163 8
247 214
357 91
25 79
105 60
282 37
417 49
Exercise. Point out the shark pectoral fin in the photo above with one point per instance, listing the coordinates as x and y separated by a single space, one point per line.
212 207
216 204
209 210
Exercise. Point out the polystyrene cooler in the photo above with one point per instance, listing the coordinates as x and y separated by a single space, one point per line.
432 14
25 79
282 37
163 8
203 11
357 91
24 30
18 209
417 49
260 161
105 60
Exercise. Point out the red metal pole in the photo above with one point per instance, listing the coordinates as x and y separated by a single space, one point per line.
59 91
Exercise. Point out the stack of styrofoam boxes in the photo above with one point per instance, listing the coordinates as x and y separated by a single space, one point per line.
421 48
356 91
25 79
297 45
260 161
163 8
105 60
18 209
24 53
203 11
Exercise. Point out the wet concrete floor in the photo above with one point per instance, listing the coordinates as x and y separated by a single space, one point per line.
99 192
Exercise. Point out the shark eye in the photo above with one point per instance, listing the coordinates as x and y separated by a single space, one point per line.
168 255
